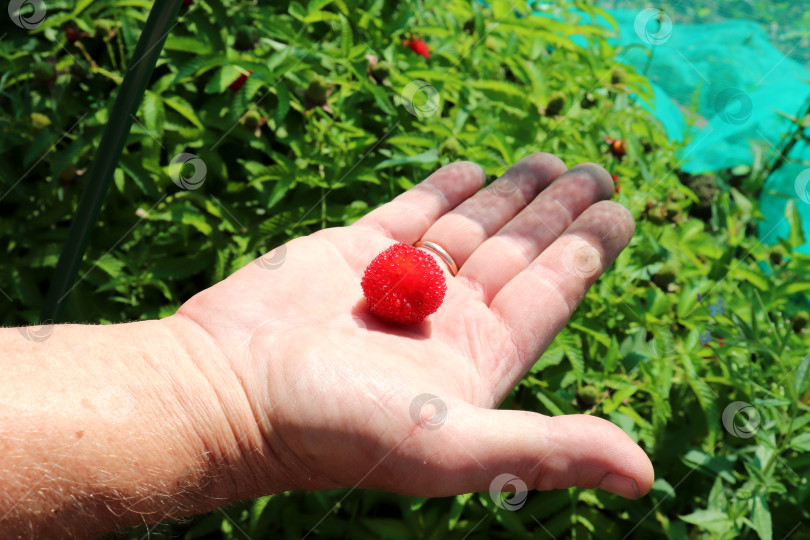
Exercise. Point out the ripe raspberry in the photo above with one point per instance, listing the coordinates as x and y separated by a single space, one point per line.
403 284
418 46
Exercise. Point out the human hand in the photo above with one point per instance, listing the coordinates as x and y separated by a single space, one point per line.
319 392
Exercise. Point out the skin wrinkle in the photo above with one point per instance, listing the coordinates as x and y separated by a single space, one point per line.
221 352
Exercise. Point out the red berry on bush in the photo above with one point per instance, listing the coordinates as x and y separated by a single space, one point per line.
615 181
617 146
418 46
403 284
71 33
240 81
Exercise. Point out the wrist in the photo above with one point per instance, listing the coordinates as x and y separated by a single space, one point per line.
224 425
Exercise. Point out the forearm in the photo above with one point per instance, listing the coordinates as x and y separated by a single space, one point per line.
108 426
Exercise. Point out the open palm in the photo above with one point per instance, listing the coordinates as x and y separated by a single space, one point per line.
342 398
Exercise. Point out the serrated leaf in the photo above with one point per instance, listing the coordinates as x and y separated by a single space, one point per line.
283 95
221 79
572 347
706 397
184 108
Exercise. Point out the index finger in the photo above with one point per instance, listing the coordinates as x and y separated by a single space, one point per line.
410 215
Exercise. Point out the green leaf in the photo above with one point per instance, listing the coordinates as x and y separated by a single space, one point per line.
387 528
796 237
801 442
761 518
572 347
221 79
706 397
801 377
283 95
430 156
712 521
756 278
346 35
551 357
459 502
721 466
594 330
184 108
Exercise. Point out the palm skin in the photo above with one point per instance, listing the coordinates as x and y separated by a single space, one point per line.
330 387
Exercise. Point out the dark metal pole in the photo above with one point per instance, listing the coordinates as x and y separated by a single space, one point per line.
150 44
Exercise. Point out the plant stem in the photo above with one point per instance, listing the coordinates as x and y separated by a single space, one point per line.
795 136
130 94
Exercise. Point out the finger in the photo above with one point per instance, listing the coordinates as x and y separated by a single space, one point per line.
519 242
408 216
464 229
536 304
475 446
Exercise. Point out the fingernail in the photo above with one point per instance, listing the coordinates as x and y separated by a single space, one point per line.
620 485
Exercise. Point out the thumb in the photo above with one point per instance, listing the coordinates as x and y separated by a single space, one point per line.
484 449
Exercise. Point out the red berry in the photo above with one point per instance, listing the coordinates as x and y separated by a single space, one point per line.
619 147
240 81
418 46
616 181
71 33
403 284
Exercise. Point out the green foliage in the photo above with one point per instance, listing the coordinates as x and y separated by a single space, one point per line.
238 86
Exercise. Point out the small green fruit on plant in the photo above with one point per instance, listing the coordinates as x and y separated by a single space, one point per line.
556 104
667 274
252 120
588 395
800 321
618 75
245 39
317 91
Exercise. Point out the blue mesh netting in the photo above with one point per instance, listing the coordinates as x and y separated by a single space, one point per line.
739 81
736 80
